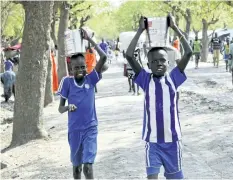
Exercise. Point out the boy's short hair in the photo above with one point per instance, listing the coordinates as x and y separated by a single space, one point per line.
156 49
75 56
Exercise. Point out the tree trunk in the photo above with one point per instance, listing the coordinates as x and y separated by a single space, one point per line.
188 23
205 41
31 78
2 64
49 83
63 25
53 30
53 24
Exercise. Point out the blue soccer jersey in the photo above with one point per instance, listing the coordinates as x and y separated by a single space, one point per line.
83 97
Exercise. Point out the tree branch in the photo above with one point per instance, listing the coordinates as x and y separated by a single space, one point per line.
229 3
213 21
80 10
83 20
195 32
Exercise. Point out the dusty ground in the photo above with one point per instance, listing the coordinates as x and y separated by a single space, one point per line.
206 118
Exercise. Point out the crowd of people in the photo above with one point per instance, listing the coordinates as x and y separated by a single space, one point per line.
10 57
217 47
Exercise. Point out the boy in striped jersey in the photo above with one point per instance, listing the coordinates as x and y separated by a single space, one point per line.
161 127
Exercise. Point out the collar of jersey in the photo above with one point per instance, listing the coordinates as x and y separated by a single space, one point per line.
160 78
77 84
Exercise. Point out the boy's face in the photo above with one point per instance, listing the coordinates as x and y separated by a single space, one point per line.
79 67
158 62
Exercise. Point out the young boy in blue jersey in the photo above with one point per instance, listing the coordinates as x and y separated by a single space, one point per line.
79 90
161 126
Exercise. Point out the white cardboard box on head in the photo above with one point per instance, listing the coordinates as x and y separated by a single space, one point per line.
157 33
74 43
126 38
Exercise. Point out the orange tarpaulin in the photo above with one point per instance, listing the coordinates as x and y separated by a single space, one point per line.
90 60
54 73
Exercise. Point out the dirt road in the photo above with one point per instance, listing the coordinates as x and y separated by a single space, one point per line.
206 118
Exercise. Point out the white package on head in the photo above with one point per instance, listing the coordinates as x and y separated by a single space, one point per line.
126 38
74 43
158 31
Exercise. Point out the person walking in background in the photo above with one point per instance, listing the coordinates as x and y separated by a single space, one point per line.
197 51
216 45
117 50
176 43
8 81
144 50
90 58
54 71
9 65
226 53
230 61
104 46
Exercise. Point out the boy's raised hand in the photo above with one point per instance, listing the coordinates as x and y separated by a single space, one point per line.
172 21
85 34
142 23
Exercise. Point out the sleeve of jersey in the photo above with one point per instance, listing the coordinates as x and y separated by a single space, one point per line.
63 89
142 79
94 77
177 77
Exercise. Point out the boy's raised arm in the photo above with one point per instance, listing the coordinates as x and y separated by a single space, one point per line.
100 66
187 49
130 51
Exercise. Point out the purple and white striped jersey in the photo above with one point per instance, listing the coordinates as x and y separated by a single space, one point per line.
161 121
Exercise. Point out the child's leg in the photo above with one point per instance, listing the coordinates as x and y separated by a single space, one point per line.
171 154
133 85
226 61
196 60
199 57
88 171
13 90
153 160
7 93
153 176
129 81
75 142
218 57
77 170
89 151
214 56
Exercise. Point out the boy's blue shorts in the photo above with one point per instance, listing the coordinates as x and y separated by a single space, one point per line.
168 155
83 146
